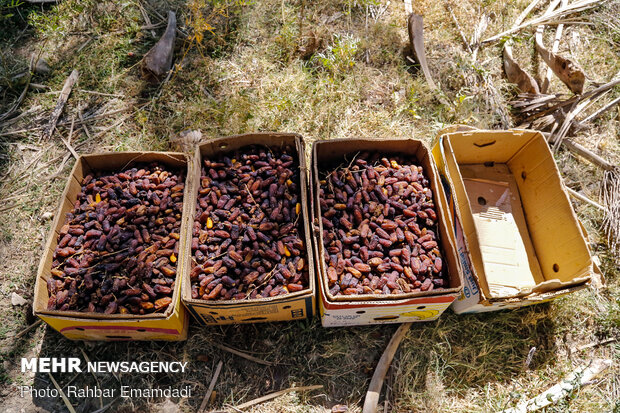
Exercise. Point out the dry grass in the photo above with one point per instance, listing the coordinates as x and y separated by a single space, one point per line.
325 70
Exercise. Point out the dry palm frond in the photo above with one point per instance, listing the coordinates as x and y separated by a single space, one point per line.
611 199
554 16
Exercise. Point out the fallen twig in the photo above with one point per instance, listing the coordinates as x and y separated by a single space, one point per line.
276 394
242 354
580 377
60 104
565 69
203 405
87 359
458 27
19 101
67 141
554 49
27 329
584 198
62 394
592 345
515 74
374 389
599 112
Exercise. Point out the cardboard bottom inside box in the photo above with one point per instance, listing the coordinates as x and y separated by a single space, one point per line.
507 254
471 301
343 314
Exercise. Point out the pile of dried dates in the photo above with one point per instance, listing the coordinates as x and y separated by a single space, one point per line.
380 228
118 249
248 233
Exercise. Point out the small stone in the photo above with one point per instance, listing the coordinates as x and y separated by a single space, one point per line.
17 299
40 66
46 216
340 408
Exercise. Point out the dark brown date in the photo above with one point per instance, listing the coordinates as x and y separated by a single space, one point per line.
247 239
380 227
117 251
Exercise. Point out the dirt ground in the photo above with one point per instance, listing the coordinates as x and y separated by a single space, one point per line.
325 70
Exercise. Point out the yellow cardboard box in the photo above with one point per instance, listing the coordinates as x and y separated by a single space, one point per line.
170 325
518 238
337 311
293 306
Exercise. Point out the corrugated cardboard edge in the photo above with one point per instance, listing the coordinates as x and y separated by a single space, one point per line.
534 296
40 302
440 199
228 144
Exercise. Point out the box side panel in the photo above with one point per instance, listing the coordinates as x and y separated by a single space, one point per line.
353 315
295 308
561 249
172 329
470 295
464 213
484 146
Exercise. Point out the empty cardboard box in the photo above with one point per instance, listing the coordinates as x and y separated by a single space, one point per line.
518 238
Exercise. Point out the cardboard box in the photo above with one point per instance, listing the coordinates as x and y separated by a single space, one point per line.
367 309
170 325
293 306
518 238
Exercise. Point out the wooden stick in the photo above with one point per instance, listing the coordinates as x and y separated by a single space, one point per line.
67 141
515 74
374 390
408 7
242 354
458 27
525 13
87 359
62 394
203 405
19 101
27 329
276 394
580 377
60 104
585 199
587 154
591 345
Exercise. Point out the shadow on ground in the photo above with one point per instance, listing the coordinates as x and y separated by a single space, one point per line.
474 349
